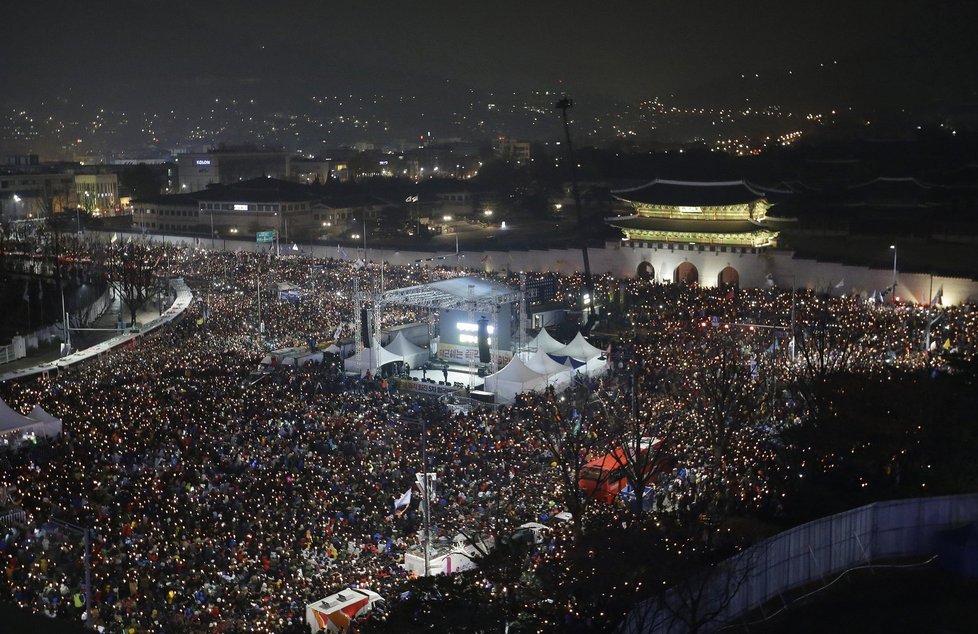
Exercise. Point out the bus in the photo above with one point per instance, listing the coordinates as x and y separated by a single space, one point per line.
604 478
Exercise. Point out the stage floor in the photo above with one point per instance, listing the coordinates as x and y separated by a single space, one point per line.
456 374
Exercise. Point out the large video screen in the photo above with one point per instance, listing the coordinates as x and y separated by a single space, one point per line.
461 328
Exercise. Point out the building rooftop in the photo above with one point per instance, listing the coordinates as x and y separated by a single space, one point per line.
691 193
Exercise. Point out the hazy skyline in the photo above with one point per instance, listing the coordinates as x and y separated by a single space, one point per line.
867 53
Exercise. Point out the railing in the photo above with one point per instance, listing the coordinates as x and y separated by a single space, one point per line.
12 518
801 556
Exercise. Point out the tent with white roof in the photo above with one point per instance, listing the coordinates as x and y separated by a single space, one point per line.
542 362
13 423
50 425
414 356
543 341
514 379
579 348
370 359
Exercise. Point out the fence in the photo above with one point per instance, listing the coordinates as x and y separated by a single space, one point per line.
12 518
801 556
20 345
182 299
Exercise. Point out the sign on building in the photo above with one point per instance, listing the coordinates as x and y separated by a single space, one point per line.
265 236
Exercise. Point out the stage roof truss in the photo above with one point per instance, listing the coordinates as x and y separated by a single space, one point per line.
438 295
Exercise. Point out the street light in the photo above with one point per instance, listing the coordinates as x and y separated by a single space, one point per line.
893 288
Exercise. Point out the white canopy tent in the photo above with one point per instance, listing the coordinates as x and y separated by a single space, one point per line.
50 426
579 348
543 341
514 379
542 362
414 356
370 359
13 423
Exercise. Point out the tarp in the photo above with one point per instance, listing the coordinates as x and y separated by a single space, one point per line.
414 356
566 361
579 348
515 378
370 359
543 341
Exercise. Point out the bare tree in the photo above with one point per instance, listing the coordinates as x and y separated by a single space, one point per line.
568 434
828 345
131 271
643 424
702 600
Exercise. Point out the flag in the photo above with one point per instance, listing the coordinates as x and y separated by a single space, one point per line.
936 300
336 333
295 247
947 344
841 283
404 501
411 199
115 238
342 251
731 294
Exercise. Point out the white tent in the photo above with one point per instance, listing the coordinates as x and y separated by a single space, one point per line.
370 359
12 422
542 362
514 379
543 341
414 356
51 426
579 348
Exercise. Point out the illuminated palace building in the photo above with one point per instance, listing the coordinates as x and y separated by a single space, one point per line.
682 222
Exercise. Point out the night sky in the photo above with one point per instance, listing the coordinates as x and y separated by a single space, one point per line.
867 52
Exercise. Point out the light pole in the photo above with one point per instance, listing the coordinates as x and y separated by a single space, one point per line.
425 483
87 534
564 105
894 287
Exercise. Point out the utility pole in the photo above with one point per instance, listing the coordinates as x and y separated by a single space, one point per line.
564 105
793 342
894 287
424 482
261 330
427 507
86 534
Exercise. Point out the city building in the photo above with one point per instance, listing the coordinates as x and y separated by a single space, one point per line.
97 193
318 170
34 193
227 166
513 150
240 210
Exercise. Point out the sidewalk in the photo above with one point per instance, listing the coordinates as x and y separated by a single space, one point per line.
95 342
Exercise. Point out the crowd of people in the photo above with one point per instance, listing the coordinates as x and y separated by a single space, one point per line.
226 501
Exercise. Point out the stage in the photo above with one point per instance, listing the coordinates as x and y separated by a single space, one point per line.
459 376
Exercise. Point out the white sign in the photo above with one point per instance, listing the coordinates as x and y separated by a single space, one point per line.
241 207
